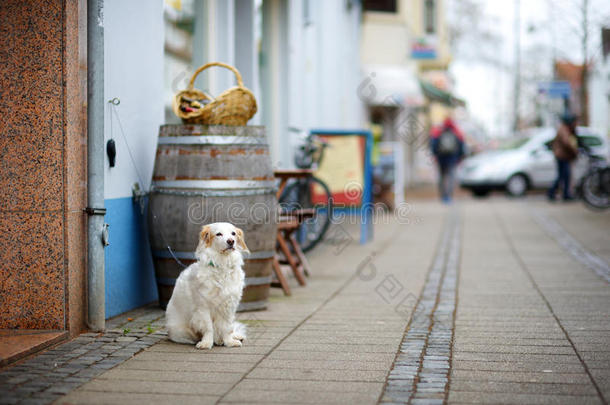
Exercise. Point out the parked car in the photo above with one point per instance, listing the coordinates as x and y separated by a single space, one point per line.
525 163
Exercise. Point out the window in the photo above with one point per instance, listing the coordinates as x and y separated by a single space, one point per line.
589 141
307 20
430 16
386 6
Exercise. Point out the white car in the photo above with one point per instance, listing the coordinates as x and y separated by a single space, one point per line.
525 163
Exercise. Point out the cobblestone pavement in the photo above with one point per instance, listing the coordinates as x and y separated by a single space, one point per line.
421 368
54 373
485 302
47 376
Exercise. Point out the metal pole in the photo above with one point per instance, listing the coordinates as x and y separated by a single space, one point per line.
95 164
584 87
517 90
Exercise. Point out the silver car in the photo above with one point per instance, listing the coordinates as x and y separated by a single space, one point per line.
525 163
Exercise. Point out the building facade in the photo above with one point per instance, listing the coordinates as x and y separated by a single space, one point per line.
300 58
599 88
405 85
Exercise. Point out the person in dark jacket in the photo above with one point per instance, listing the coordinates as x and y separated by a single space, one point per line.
447 144
565 149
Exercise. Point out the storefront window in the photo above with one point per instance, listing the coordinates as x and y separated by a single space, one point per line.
388 6
430 16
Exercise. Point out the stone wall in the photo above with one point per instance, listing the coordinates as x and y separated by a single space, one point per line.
43 164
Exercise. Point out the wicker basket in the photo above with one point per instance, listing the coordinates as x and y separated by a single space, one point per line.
234 106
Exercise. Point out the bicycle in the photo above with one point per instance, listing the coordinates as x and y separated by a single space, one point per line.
309 193
594 187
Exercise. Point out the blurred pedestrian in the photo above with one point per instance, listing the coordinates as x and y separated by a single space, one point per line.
565 149
447 143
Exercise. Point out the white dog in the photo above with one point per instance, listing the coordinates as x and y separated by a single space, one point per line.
202 307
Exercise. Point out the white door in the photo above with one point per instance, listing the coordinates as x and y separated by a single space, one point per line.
543 168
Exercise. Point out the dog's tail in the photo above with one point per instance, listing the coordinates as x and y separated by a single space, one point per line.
239 329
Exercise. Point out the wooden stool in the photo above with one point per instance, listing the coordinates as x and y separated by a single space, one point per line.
285 238
301 216
287 224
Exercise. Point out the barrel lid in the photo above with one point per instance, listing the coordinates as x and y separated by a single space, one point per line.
210 130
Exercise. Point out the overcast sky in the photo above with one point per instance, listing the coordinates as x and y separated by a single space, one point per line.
488 88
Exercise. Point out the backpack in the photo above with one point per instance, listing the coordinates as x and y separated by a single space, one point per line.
448 143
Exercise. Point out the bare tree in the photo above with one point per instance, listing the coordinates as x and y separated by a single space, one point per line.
581 20
473 34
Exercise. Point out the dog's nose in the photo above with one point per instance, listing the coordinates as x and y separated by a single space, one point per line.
230 242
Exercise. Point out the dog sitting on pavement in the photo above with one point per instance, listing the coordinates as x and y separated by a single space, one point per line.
202 308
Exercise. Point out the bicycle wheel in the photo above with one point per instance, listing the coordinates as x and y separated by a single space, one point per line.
310 193
596 189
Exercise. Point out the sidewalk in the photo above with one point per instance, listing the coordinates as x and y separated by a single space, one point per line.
478 303
332 341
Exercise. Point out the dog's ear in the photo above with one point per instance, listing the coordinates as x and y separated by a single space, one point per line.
206 236
240 240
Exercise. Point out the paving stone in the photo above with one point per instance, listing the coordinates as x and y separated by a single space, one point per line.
18 379
311 347
136 364
9 399
84 339
90 334
200 356
106 364
511 357
517 366
25 390
427 401
89 373
373 388
326 365
159 387
86 360
48 399
69 346
176 348
318 375
524 388
568 350
517 398
36 385
330 356
93 397
126 339
596 356
264 396
63 388
76 379
123 353
166 375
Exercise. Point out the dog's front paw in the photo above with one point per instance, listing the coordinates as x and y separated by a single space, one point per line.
238 336
205 344
232 343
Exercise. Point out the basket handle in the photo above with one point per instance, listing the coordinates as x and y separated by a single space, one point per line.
240 83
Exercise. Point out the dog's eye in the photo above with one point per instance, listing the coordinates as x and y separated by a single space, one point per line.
219 234
233 233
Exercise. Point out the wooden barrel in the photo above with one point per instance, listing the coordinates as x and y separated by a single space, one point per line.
206 174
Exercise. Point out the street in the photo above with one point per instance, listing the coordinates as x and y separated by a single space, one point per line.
296 129
493 301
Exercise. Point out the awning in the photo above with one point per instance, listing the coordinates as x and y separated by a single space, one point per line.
436 94
390 86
